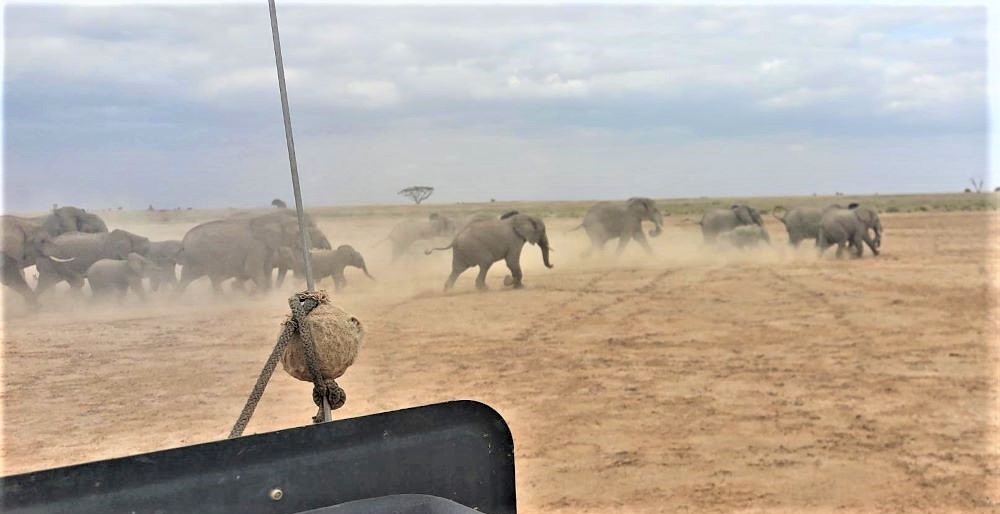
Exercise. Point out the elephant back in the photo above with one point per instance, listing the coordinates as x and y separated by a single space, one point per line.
609 216
218 244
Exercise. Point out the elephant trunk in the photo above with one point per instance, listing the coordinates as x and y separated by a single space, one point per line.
543 243
365 269
657 219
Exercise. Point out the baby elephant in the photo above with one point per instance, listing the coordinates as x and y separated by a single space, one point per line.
326 263
108 276
485 242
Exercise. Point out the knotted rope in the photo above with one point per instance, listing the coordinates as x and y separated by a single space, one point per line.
301 305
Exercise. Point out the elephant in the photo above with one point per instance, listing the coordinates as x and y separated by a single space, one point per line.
27 239
408 232
108 276
609 220
242 247
485 242
802 222
85 250
744 236
717 221
326 263
850 226
166 256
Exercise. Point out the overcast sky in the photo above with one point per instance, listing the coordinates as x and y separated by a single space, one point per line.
139 105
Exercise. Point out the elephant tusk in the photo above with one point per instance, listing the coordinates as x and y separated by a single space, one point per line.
57 259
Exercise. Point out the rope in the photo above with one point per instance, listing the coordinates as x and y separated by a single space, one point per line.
327 389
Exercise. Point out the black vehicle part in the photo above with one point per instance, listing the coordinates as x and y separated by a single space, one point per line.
461 451
398 504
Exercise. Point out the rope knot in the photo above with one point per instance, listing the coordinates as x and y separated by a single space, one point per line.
334 394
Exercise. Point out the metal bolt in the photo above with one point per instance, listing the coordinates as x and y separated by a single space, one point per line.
276 494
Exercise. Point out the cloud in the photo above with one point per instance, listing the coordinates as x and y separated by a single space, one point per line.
85 83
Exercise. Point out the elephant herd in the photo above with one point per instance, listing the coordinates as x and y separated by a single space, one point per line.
71 245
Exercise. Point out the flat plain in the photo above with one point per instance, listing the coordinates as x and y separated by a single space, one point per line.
696 380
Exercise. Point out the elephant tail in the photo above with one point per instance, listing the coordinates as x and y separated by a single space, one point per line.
783 213
432 250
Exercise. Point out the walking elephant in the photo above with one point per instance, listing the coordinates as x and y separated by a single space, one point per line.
406 233
27 239
111 276
327 263
802 222
84 250
609 220
242 247
717 221
843 227
485 242
166 256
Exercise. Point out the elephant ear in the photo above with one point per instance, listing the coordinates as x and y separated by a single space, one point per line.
270 231
866 215
641 205
136 263
118 245
743 214
528 228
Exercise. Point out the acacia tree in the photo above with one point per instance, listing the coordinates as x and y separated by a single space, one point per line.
417 193
278 203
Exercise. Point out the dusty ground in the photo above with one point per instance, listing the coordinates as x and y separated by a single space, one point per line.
700 380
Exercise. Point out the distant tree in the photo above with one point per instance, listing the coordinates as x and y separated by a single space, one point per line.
978 186
55 206
119 207
150 208
278 204
997 190
967 190
417 193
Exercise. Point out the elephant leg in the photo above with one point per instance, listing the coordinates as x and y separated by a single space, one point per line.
339 282
840 248
13 277
455 272
622 243
216 284
643 242
120 293
189 273
866 237
136 286
481 278
514 265
46 280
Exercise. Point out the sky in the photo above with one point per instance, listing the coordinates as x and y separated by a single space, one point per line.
136 105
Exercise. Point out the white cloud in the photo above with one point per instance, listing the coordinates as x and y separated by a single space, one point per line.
596 73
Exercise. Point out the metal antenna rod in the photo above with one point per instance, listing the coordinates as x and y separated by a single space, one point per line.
303 232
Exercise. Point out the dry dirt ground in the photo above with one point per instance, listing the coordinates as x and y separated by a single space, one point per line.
698 380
